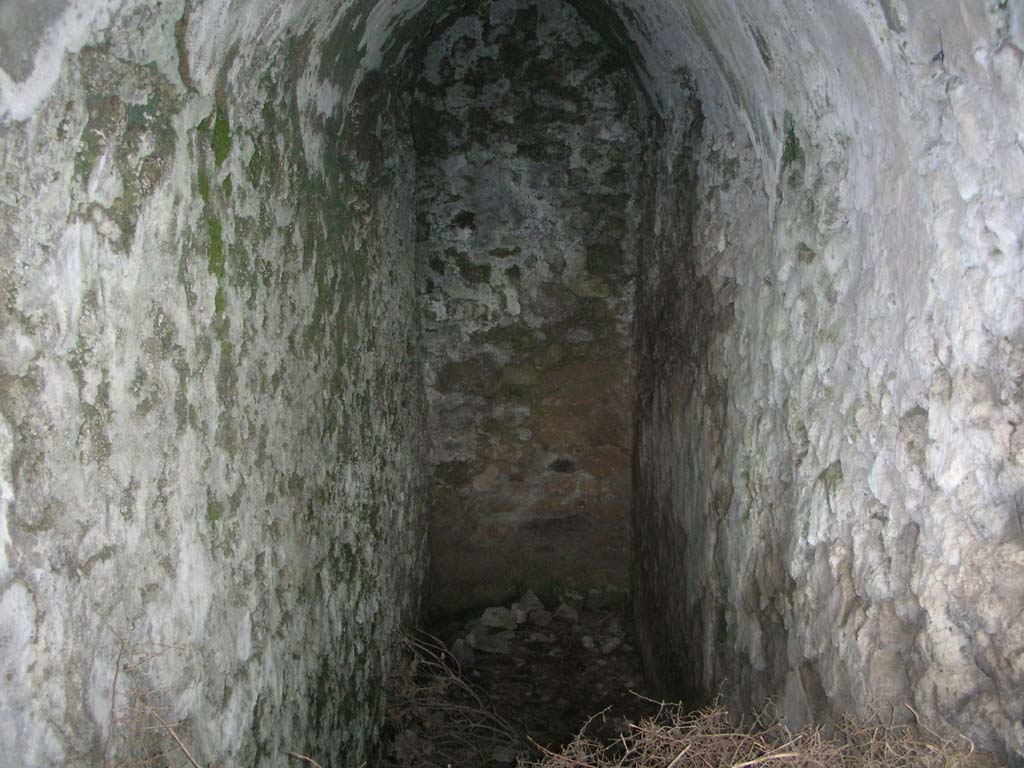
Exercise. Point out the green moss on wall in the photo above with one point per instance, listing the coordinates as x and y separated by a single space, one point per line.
832 477
220 139
213 511
215 263
792 152
256 167
105 112
604 258
203 185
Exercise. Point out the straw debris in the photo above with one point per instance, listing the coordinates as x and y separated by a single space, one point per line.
709 738
436 717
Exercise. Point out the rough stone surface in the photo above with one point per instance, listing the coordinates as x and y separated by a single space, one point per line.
828 462
212 421
528 602
499 618
527 131
211 430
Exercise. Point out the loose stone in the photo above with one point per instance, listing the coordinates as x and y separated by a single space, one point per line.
498 618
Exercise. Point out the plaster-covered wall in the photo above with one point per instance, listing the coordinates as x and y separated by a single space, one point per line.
529 140
212 432
828 467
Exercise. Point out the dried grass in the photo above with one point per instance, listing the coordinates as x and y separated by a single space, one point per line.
438 718
708 738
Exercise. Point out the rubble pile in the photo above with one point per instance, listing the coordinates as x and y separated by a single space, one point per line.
541 669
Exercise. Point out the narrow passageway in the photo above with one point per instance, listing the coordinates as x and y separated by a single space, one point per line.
326 320
557 303
530 135
510 682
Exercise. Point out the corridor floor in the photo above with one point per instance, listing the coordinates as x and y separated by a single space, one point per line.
514 681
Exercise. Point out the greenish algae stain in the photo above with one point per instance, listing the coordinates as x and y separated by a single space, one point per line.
213 511
104 114
792 152
255 167
215 264
203 183
220 140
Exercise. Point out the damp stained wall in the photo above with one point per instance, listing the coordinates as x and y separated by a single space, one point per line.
213 416
529 134
828 466
212 408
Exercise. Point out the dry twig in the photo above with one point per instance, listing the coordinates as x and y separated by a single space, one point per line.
707 738
438 718
177 740
304 759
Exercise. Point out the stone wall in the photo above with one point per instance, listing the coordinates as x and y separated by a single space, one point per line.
828 467
528 139
212 430
212 411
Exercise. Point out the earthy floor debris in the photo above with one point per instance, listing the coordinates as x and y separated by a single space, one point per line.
708 738
512 686
529 674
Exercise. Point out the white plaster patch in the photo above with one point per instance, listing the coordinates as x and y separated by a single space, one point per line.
243 638
104 186
327 97
6 494
81 19
23 712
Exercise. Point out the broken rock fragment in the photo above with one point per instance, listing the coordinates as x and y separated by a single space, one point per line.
498 618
